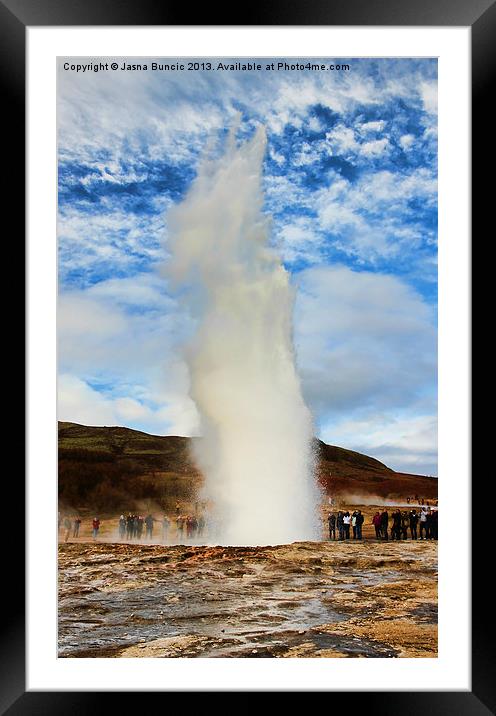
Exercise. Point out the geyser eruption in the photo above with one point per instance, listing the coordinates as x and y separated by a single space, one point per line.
255 450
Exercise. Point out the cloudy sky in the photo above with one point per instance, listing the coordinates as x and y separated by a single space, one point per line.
350 179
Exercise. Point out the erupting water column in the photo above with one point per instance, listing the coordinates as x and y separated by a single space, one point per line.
255 450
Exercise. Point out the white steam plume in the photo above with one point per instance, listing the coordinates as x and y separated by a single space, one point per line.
255 450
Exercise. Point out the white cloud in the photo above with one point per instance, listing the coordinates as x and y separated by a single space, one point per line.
377 126
78 402
406 141
108 235
375 147
78 315
368 218
366 346
121 337
308 154
314 124
277 158
342 140
407 443
363 340
299 240
428 93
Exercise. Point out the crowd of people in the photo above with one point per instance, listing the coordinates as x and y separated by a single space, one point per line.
343 525
133 526
420 524
71 526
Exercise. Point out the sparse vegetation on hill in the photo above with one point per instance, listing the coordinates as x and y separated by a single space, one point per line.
114 468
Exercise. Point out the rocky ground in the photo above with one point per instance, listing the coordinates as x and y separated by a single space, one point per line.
308 599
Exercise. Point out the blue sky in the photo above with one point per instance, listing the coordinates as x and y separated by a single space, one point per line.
350 180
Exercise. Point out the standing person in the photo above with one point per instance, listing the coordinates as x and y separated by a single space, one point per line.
423 524
189 527
346 524
376 521
384 524
339 525
353 524
96 527
413 524
165 528
201 525
396 528
139 527
332 525
179 526
149 526
77 524
429 524
67 527
434 524
404 525
129 526
359 523
122 527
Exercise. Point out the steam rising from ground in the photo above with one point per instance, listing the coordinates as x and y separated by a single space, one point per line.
256 430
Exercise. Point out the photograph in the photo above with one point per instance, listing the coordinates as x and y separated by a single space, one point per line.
247 369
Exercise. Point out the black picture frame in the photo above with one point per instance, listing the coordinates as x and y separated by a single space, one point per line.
15 17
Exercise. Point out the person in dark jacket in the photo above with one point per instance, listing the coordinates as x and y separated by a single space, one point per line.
359 523
404 525
396 528
434 524
77 525
413 524
339 525
149 526
332 525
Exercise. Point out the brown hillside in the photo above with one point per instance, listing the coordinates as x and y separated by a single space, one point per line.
112 467
345 472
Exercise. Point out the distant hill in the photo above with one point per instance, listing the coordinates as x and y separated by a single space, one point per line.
114 468
347 472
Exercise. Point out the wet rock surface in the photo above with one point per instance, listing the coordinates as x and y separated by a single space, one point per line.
307 599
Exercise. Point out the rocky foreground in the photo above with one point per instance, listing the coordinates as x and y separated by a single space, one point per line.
307 599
